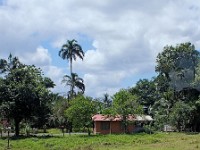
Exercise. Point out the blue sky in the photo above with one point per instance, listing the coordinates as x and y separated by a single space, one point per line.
121 39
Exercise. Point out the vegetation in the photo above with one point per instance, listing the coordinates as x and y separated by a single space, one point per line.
74 81
178 141
178 67
124 103
79 106
70 51
24 94
172 98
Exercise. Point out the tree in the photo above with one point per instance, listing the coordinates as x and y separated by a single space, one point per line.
178 64
105 104
12 63
181 115
125 104
178 86
162 108
24 93
70 51
58 107
107 101
146 91
74 81
81 111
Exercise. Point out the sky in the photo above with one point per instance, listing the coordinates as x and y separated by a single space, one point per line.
121 39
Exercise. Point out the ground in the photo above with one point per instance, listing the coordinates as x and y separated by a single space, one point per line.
157 141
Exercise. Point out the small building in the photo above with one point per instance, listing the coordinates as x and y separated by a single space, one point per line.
106 124
168 128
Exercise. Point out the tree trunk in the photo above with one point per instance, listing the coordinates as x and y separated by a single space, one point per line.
70 65
124 124
1 133
16 127
125 128
71 88
88 131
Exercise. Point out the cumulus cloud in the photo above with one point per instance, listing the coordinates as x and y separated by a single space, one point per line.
40 57
126 35
56 74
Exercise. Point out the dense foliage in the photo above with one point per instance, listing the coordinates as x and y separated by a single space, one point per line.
24 94
81 111
172 97
125 104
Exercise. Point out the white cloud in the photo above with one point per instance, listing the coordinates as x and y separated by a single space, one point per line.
127 35
40 57
56 74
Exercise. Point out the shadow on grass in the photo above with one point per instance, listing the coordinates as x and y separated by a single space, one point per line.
113 134
48 136
191 133
21 137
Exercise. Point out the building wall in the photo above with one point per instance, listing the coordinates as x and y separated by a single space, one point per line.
115 127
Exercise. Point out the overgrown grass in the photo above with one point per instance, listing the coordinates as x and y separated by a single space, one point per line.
160 141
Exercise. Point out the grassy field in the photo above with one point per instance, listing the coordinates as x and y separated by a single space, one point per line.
158 141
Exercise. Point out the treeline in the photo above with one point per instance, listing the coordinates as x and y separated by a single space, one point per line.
172 97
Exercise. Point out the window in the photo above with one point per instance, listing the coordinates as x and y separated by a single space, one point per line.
105 125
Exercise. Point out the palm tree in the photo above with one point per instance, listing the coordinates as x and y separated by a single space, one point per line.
74 81
70 50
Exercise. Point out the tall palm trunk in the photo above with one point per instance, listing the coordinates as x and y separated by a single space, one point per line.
71 66
71 88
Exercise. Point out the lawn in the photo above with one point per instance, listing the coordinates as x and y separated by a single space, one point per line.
159 141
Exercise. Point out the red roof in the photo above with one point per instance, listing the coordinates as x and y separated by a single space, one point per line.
100 117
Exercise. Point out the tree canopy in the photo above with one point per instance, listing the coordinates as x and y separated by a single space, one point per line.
125 104
70 51
81 111
178 86
24 92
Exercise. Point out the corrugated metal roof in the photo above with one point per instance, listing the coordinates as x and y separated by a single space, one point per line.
100 117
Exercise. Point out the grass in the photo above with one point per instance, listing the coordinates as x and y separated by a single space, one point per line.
54 131
159 141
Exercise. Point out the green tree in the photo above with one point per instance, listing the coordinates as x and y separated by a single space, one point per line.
125 104
105 104
107 101
74 81
12 63
178 86
58 107
178 64
146 91
81 111
70 51
23 94
181 115
161 109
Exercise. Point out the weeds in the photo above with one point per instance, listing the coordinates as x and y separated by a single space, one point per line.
99 142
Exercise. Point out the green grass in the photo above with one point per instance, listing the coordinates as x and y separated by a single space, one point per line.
54 131
159 141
